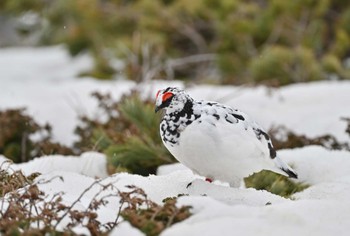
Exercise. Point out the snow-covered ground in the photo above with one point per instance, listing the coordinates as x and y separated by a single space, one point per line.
322 209
44 80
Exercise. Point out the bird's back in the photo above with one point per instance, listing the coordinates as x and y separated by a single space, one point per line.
219 142
223 143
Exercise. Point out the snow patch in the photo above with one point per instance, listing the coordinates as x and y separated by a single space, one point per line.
90 164
46 81
322 209
315 164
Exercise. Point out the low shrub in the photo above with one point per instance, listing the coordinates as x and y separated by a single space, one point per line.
26 210
274 183
16 131
129 135
148 216
283 138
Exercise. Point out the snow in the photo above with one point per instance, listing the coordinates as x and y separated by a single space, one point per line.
321 209
92 164
314 169
313 109
291 218
124 228
45 81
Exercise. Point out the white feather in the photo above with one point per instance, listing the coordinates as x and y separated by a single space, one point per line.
221 143
223 151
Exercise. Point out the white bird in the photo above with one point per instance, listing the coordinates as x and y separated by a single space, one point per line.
214 140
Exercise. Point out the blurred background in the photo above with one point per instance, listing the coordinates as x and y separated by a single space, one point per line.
77 85
274 42
54 54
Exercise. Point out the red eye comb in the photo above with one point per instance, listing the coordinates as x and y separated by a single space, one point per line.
166 96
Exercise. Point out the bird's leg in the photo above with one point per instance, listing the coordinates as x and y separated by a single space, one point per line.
208 180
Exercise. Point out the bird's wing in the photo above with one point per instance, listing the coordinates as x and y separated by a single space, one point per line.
238 132
236 123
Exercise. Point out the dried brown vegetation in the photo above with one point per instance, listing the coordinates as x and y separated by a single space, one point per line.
15 180
284 138
150 217
16 129
26 210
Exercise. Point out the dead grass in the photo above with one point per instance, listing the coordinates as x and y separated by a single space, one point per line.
26 210
283 138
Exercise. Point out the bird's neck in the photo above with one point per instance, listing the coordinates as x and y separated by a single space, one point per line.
175 122
183 110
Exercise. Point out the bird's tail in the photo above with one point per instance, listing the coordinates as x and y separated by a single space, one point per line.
285 168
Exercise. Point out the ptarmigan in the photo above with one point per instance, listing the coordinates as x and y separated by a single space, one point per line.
214 140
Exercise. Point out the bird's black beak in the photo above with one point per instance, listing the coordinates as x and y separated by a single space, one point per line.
157 109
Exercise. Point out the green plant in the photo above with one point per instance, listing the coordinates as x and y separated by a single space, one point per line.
282 138
274 183
129 136
16 129
191 40
285 65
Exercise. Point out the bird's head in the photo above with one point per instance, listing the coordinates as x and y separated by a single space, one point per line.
171 99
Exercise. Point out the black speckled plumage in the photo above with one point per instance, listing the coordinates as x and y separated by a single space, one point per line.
226 138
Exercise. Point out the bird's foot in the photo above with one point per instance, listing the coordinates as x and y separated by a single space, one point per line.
206 179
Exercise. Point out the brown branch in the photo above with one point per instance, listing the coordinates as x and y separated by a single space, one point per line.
76 201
